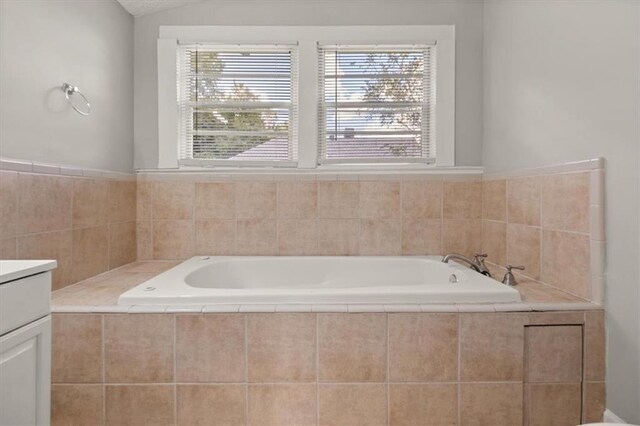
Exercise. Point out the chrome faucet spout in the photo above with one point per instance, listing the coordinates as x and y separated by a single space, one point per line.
477 263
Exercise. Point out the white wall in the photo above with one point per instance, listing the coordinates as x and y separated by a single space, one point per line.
465 14
44 43
561 83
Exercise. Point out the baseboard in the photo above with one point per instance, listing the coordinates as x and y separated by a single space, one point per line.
610 417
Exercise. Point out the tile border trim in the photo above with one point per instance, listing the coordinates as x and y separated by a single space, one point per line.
10 164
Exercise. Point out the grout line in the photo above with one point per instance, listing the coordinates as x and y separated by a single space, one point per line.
104 367
317 369
175 363
459 392
246 369
388 370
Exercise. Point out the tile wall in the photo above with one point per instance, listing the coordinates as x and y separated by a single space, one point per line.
551 221
328 368
83 219
182 215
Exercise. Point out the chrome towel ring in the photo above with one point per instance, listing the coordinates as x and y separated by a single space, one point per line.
69 90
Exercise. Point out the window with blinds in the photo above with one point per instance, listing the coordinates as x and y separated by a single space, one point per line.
237 104
377 104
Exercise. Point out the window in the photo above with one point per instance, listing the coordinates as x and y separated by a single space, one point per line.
306 97
376 104
237 104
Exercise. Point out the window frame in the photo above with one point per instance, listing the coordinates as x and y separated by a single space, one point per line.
307 39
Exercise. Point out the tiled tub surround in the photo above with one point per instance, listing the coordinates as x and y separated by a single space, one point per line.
551 220
445 368
84 219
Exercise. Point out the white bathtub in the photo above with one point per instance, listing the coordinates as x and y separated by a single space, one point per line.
318 280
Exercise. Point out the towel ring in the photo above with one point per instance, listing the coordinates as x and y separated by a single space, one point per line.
69 90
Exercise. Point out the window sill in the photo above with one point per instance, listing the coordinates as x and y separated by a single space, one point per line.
341 169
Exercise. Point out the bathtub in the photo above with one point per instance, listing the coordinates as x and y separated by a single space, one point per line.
245 280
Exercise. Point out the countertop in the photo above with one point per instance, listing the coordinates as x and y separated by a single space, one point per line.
11 270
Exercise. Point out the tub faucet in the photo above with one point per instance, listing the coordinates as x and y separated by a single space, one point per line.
477 263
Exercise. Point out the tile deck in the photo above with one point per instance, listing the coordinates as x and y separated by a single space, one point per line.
100 294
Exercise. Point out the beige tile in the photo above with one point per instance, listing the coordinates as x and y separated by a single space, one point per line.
352 347
565 202
494 241
8 248
173 200
144 201
76 348
45 203
76 405
554 404
554 354
122 244
423 404
491 346
140 405
491 404
338 200
173 239
144 240
8 204
215 200
210 405
569 273
216 237
138 348
423 347
51 245
90 202
353 405
297 200
338 237
282 404
421 236
462 200
255 200
556 318
297 237
462 236
523 200
122 201
380 200
594 399
422 199
210 348
281 347
594 346
523 248
90 254
380 237
256 237
494 200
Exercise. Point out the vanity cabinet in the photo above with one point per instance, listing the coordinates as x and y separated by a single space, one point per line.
25 374
25 342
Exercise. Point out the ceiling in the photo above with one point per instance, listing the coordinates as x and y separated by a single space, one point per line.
145 7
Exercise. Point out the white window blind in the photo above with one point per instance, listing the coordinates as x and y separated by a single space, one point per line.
377 103
237 104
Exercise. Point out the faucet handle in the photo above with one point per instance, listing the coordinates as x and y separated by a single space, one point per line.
480 257
510 267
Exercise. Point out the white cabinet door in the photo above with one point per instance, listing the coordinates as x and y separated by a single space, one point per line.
25 375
